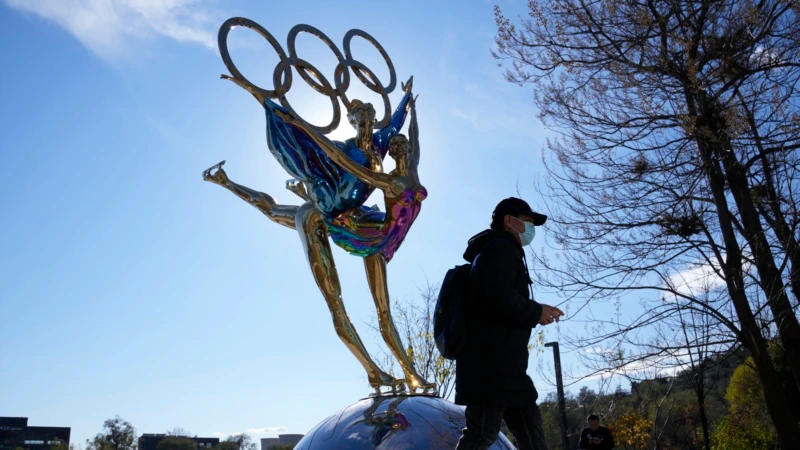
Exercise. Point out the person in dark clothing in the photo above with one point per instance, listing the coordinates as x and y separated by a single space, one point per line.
595 437
491 369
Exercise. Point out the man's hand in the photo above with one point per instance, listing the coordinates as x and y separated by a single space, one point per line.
550 314
406 87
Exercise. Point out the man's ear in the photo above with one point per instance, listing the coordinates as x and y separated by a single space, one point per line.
508 221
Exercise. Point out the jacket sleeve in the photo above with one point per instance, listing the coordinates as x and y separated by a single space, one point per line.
584 441
497 267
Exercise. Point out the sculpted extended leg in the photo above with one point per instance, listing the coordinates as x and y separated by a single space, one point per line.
375 266
281 214
314 237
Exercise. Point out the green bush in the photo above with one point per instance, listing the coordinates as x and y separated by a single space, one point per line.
741 431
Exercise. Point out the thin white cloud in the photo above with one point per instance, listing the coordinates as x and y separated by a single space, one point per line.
697 279
108 27
598 350
471 117
647 368
762 57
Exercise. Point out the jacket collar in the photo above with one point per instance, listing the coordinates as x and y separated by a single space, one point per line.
477 242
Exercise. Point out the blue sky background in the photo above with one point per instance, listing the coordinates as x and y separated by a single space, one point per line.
130 287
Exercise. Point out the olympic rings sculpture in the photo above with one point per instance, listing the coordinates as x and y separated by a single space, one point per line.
282 75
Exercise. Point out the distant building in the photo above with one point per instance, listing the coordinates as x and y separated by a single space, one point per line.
266 443
282 439
150 441
15 432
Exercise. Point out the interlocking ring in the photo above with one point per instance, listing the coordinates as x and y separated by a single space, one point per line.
291 41
222 41
325 88
348 54
282 75
357 67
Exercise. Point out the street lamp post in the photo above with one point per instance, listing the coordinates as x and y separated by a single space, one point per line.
562 410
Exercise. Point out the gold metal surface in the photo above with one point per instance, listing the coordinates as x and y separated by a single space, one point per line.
314 238
403 178
307 219
375 266
280 214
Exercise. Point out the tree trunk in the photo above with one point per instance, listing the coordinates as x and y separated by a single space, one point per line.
718 145
777 405
700 392
782 230
777 220
701 406
771 280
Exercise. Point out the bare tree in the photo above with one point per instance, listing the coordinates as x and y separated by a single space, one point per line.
679 130
695 353
414 322
697 331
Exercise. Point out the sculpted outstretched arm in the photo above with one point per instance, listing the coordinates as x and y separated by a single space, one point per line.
379 180
413 137
247 87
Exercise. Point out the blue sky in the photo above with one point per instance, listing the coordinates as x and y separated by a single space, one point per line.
130 287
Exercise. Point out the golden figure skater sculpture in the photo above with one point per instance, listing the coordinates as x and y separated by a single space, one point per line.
335 178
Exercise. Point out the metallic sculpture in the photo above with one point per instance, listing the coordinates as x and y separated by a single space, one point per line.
335 179
393 422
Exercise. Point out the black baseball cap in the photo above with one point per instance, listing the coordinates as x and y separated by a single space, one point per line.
516 207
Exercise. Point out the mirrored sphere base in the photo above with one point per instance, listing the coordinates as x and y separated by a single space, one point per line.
392 422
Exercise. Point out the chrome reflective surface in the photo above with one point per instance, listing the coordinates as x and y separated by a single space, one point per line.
392 422
335 179
300 151
282 74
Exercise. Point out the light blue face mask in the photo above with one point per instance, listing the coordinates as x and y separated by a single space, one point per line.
526 237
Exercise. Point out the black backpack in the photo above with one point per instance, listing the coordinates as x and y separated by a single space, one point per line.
449 324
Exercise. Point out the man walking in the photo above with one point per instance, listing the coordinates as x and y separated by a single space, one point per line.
491 369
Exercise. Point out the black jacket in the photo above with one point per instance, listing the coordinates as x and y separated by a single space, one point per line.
606 443
492 366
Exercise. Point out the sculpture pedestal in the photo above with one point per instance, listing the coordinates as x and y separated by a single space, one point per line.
399 421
